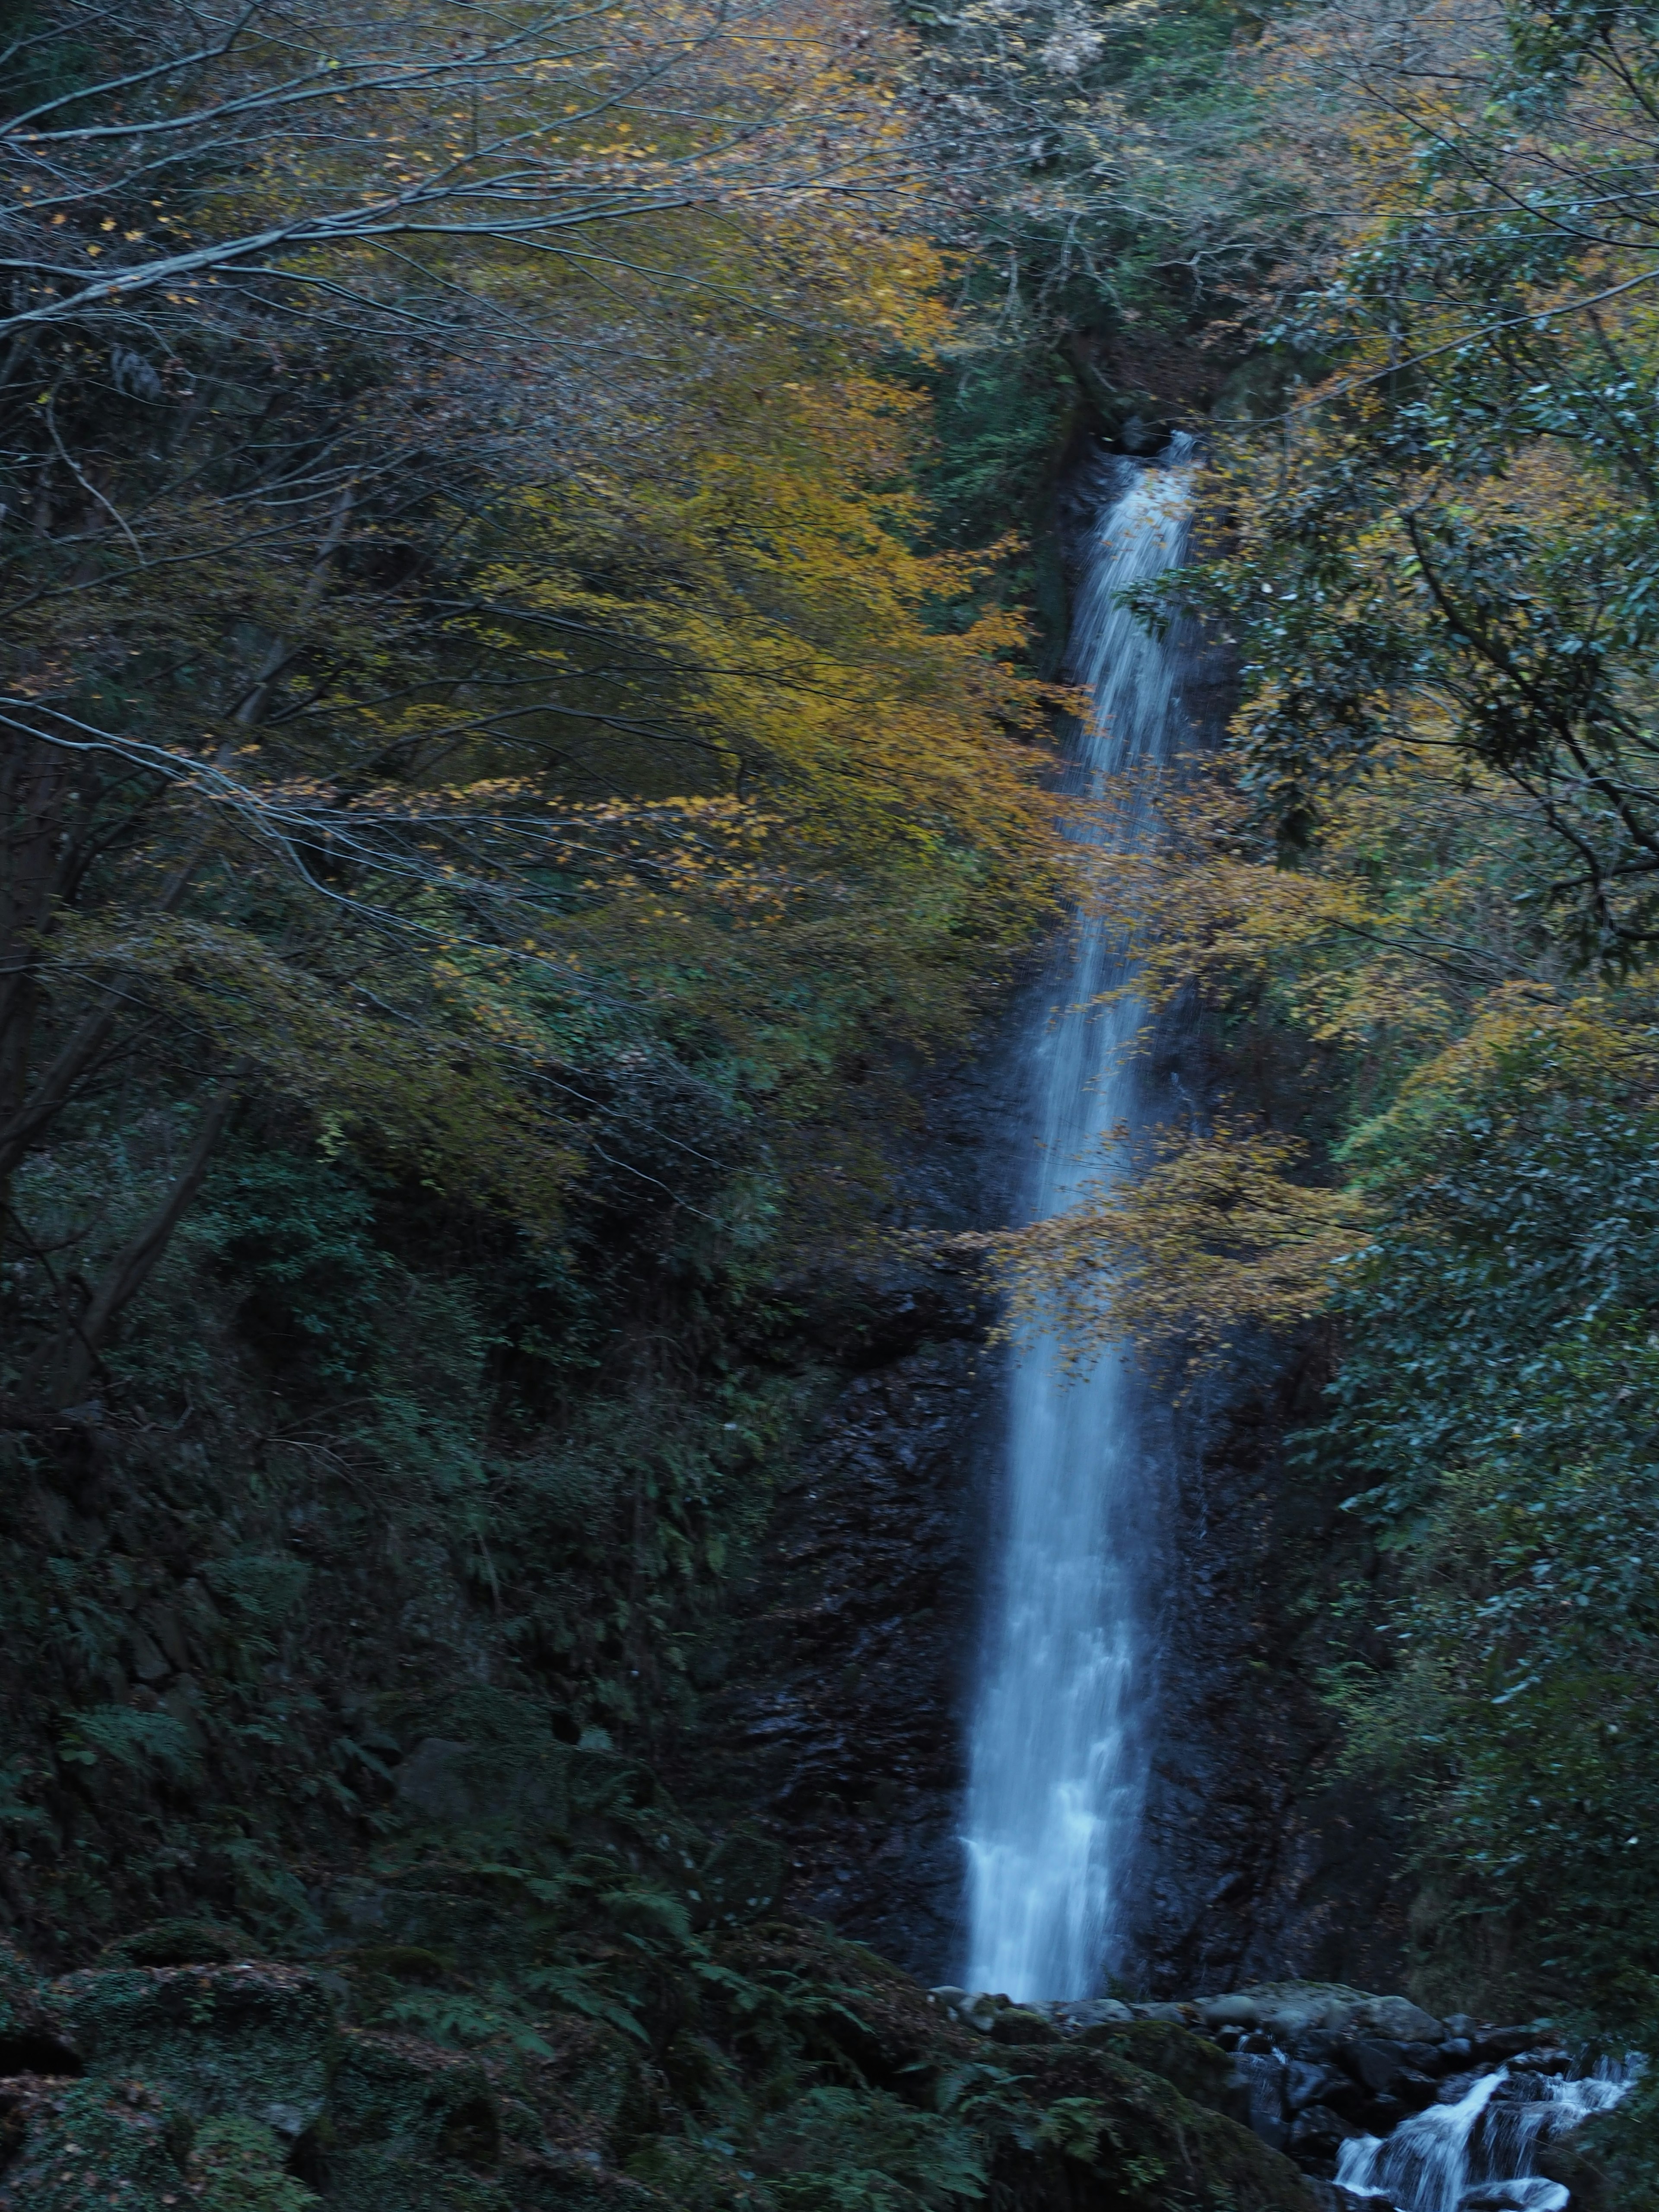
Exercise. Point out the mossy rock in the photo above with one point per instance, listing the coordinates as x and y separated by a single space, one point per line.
372 2178
177 1943
254 2040
69 2147
740 1880
1015 2024
1151 2146
1198 2068
22 1994
1083 2127
237 2165
32 2040
486 1758
413 2098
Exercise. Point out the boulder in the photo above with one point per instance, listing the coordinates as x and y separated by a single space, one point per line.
1307 2084
1090 2012
1022 2024
1493 2046
256 2040
1287 2009
1262 2076
1317 2134
32 2039
1397 2019
1385 2068
72 2145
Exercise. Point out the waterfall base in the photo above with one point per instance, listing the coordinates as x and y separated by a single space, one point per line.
1384 2107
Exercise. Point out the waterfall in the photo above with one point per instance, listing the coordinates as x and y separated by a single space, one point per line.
1438 2160
1057 1747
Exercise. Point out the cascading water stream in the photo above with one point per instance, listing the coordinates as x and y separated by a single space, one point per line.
1480 2153
1057 1750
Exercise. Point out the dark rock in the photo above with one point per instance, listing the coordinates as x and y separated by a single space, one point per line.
1317 2085
1494 2045
1317 2134
1376 2065
1521 2086
1579 2170
1262 2077
1452 2088
1315 2046
1015 2024
33 2038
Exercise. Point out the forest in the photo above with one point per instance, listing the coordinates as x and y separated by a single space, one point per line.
537 577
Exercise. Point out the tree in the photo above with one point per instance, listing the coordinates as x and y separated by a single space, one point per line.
380 743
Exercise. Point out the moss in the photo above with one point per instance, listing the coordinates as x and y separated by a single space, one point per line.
253 2040
22 1994
407 2095
1199 2069
177 1943
1014 2024
90 2143
376 2180
595 2051
236 2166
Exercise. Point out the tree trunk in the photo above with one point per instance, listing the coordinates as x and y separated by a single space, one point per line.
67 1364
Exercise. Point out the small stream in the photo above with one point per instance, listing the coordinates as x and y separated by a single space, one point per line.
1479 2153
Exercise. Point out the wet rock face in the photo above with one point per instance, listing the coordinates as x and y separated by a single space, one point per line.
838 1725
836 1711
1261 1864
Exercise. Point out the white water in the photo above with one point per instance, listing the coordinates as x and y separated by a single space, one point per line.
1057 1754
1438 2158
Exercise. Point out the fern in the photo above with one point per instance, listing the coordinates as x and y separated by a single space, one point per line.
145 1743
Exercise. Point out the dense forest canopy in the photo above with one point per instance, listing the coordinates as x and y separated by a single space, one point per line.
530 644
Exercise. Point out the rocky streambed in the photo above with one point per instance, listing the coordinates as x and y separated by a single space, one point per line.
1372 2096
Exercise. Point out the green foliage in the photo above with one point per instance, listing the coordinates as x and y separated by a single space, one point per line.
236 2166
836 2150
1431 852
1500 1394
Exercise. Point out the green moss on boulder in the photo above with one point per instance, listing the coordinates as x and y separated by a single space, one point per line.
253 2040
